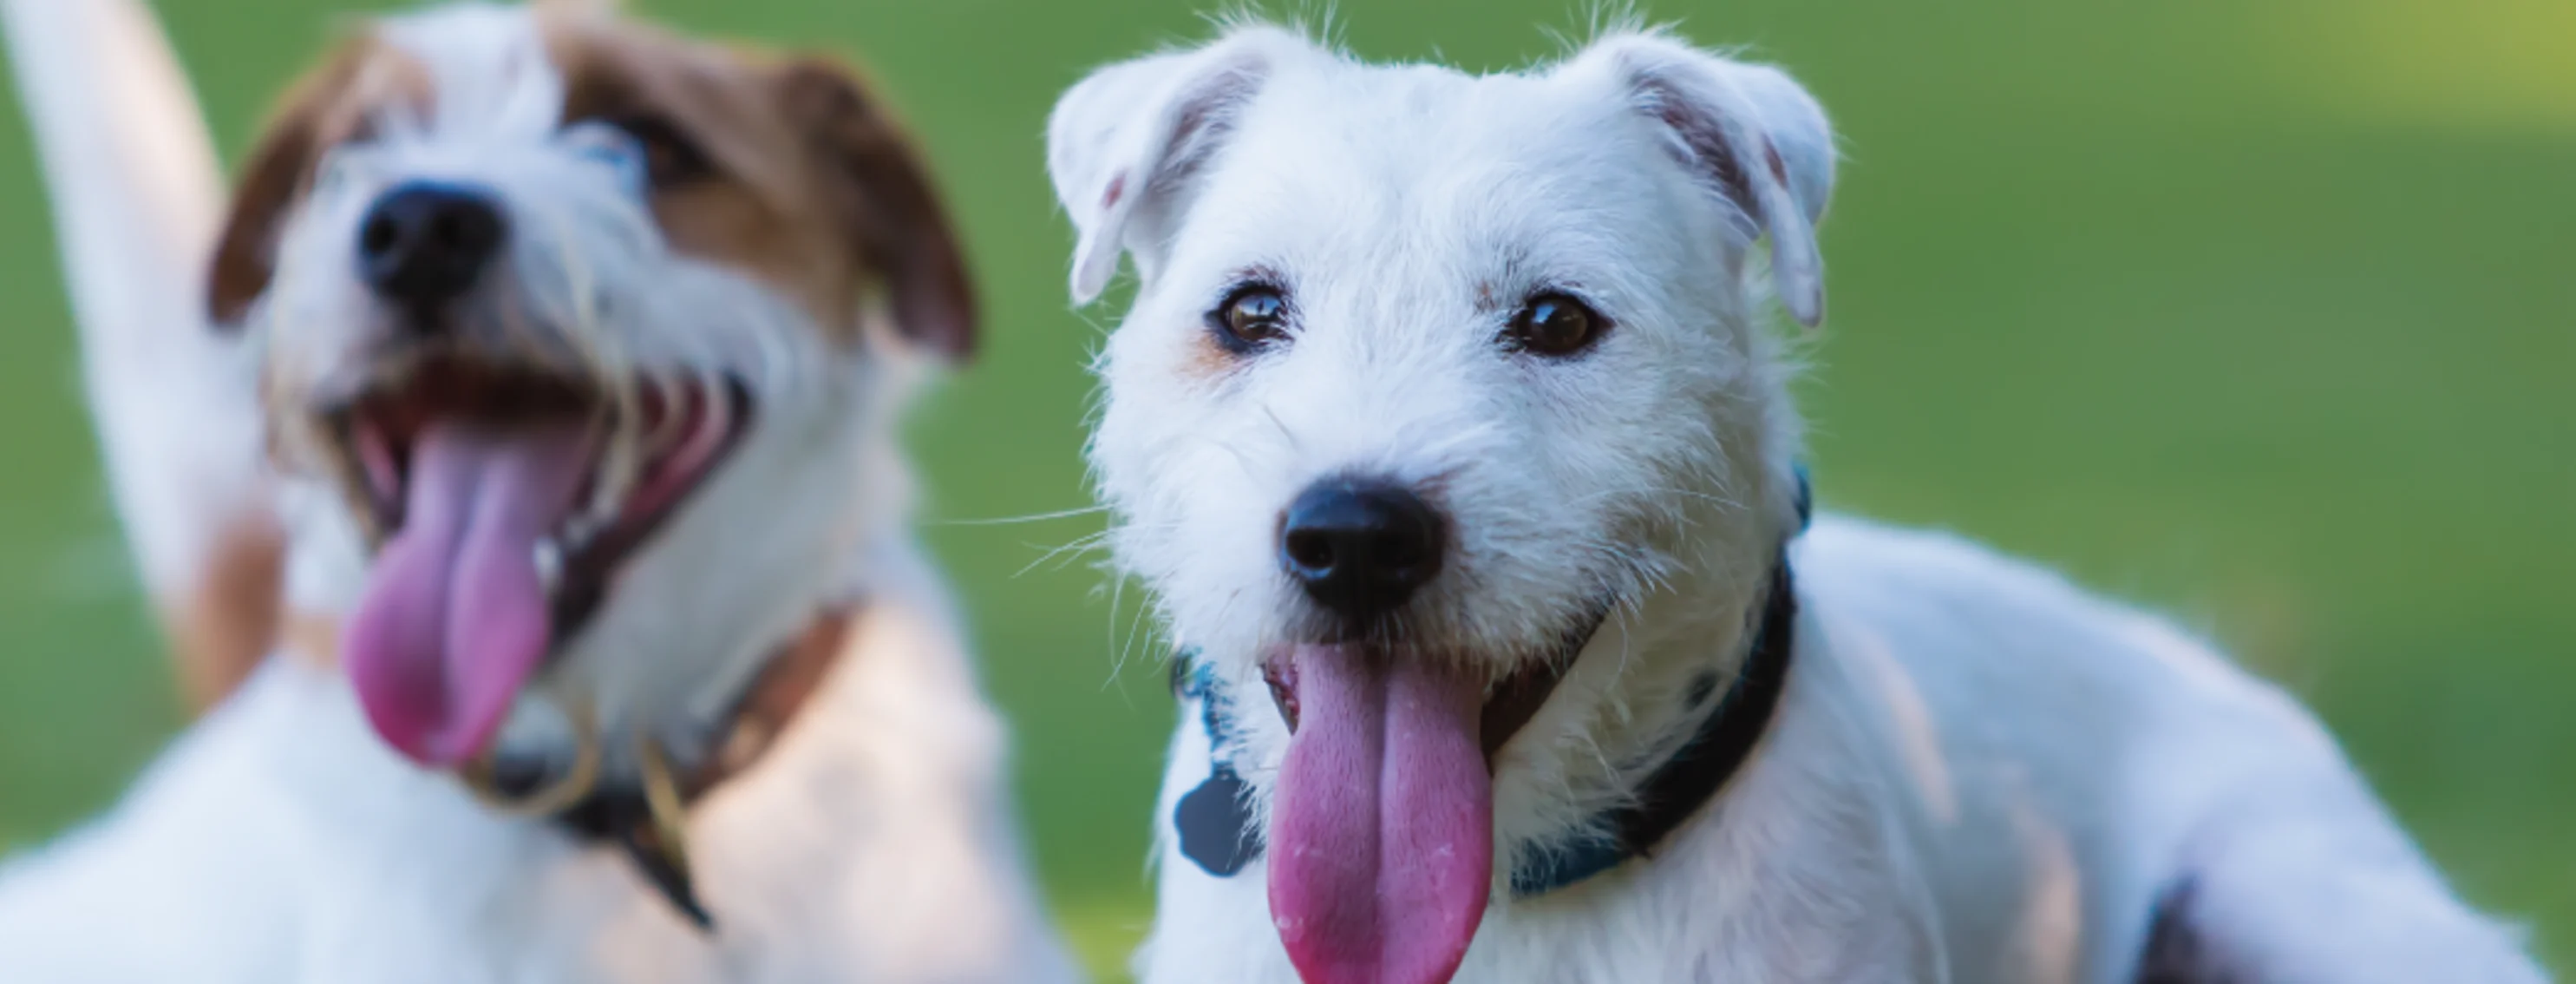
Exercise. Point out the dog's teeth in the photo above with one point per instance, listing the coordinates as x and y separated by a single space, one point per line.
549 560
580 531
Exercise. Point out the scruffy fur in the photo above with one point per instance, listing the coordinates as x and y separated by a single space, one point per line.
1978 773
280 840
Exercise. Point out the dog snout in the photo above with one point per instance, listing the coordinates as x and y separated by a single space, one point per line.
425 243
1360 547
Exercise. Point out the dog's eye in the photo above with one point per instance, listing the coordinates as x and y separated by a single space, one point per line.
671 158
1554 325
1255 315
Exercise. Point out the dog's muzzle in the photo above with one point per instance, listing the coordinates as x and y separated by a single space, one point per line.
1381 839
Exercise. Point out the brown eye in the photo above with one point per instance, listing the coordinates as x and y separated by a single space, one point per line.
1554 325
1254 316
671 158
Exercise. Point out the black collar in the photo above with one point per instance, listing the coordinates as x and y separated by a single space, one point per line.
621 815
1687 781
616 812
1218 833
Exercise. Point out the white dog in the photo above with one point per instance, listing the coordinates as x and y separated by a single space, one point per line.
1445 413
584 346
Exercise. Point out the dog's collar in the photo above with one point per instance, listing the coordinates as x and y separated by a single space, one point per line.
1688 780
1217 831
643 817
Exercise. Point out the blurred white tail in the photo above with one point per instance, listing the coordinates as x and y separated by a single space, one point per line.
137 198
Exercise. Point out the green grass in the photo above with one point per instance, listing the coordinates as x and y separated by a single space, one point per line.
2259 312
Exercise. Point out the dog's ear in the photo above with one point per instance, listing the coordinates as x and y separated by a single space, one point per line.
272 180
1125 142
1753 134
883 199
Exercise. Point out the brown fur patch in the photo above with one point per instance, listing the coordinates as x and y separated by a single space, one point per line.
1205 359
223 627
330 105
314 639
812 187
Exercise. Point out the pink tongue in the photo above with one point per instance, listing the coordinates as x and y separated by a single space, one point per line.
455 616
1382 828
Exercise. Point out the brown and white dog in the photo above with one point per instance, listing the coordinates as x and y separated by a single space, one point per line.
581 348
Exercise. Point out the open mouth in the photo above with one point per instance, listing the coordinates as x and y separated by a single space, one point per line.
1382 824
503 501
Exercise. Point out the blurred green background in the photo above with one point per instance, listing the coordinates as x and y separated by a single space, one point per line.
2259 311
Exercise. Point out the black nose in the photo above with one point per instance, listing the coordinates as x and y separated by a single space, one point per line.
424 243
1360 547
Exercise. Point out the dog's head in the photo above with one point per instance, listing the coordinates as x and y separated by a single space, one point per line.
594 334
1435 384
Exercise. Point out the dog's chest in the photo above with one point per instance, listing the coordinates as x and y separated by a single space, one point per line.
1622 929
1769 884
399 877
375 871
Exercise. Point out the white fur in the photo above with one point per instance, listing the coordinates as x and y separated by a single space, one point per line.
1978 773
279 840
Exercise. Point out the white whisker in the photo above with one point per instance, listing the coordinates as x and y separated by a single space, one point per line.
1027 518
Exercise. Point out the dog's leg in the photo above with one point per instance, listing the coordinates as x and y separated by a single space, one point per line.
2324 890
137 196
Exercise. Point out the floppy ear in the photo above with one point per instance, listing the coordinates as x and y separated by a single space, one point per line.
1753 135
271 181
883 199
1124 144
885 205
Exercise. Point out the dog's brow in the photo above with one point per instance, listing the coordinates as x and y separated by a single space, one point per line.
1265 274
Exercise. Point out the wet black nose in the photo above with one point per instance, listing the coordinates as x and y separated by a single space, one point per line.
1360 547
423 243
